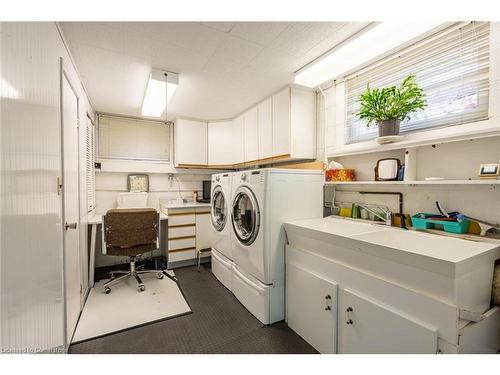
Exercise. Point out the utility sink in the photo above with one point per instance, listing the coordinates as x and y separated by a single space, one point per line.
335 226
430 245
435 265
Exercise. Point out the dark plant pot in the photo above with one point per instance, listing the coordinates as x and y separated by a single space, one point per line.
388 127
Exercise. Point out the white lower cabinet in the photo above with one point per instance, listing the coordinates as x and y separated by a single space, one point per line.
374 314
312 308
203 228
367 326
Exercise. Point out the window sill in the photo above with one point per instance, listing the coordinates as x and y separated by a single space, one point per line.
479 129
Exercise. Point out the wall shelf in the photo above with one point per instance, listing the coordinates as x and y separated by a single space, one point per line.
476 130
417 182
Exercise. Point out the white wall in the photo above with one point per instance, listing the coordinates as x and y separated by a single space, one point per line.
456 160
459 160
110 184
31 288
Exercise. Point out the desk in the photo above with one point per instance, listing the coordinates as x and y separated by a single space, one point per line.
94 221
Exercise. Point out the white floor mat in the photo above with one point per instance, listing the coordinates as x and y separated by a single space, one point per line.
125 307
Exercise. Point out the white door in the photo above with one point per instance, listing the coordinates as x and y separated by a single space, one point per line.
367 326
238 149
251 135
72 267
312 308
266 129
191 141
220 140
281 123
203 229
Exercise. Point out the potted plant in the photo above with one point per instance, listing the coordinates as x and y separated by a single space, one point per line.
388 106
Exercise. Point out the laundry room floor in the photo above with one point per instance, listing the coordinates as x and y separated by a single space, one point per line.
219 324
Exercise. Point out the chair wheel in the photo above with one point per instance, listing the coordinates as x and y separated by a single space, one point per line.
141 288
160 275
107 290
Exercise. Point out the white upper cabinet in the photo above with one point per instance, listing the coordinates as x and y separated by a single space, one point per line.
282 127
294 127
303 124
251 134
190 143
265 125
281 123
238 135
220 143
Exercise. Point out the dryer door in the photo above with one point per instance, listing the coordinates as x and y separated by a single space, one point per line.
245 216
219 209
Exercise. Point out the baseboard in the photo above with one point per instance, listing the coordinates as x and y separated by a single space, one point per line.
188 262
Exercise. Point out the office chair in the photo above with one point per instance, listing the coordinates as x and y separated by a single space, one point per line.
130 232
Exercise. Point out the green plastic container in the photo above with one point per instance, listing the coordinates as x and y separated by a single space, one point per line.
459 227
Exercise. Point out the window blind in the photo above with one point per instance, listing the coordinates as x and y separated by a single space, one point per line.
133 139
452 66
90 153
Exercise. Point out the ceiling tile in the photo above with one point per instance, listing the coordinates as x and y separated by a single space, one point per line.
236 49
258 32
224 67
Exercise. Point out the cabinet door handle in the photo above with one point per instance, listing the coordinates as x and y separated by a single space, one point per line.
348 319
327 298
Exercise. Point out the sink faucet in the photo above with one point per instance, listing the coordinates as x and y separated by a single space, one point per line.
387 217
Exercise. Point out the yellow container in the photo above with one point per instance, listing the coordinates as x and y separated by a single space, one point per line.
345 211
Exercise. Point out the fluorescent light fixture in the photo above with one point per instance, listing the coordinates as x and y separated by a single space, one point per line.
374 42
161 87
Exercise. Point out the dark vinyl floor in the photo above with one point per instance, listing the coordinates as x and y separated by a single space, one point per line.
218 324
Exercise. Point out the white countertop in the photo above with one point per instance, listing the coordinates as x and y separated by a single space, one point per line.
185 205
97 218
394 243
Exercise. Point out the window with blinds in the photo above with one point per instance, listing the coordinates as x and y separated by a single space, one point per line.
452 66
133 139
90 153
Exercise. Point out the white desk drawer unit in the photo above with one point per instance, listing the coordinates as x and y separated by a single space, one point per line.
181 231
182 243
179 256
181 217
187 231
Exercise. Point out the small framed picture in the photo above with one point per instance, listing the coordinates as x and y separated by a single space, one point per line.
490 170
138 183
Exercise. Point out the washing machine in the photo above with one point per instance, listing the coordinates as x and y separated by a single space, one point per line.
262 200
220 198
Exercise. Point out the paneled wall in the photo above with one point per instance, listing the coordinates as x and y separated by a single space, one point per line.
31 278
457 160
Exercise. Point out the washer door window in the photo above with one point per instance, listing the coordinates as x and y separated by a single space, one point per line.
245 215
219 209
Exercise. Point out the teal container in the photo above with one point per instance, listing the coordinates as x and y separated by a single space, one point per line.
459 227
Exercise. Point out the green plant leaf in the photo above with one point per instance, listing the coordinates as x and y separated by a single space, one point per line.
378 104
